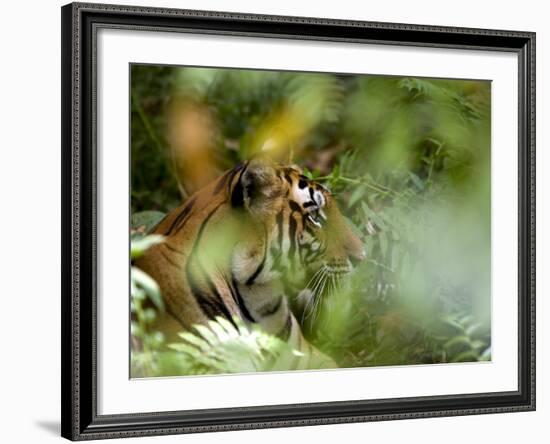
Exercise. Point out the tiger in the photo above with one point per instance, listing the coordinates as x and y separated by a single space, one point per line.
235 247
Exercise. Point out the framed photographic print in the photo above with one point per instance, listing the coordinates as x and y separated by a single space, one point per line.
280 221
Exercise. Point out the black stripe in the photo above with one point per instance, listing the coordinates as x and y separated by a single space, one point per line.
312 195
292 226
214 306
288 179
221 182
182 216
172 249
219 302
210 308
294 206
309 204
280 229
237 195
240 302
233 292
169 260
184 212
251 279
227 178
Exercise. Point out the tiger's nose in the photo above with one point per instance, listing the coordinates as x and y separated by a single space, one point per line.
357 256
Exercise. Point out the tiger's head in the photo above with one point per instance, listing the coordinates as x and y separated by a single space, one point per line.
300 231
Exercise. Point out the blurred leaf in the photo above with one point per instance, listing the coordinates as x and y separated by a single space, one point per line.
416 180
144 221
356 195
486 355
457 345
139 246
221 347
467 356
152 289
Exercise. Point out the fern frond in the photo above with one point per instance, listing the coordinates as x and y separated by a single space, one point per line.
319 97
221 347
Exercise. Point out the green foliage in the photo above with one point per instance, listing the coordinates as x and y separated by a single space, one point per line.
222 347
408 160
144 221
141 243
462 338
144 291
219 347
150 159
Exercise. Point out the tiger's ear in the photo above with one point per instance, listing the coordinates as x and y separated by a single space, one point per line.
257 187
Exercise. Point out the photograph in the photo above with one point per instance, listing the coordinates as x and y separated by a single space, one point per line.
297 221
274 221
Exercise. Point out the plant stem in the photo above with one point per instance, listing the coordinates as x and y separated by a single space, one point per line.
146 123
156 141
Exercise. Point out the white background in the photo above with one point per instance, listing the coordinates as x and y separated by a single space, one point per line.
30 187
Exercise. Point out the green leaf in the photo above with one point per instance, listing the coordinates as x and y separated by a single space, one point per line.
197 341
478 345
206 333
356 195
417 181
229 328
467 356
151 288
354 227
219 347
449 327
477 331
486 355
149 315
139 246
372 215
144 221
220 332
457 345
306 172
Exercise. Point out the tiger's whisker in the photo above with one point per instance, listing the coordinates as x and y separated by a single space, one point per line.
314 276
317 304
315 280
317 294
310 301
317 286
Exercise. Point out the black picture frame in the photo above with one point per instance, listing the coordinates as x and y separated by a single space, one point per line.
79 396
